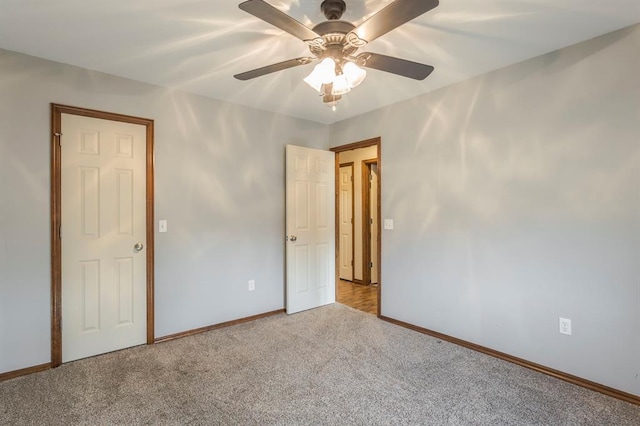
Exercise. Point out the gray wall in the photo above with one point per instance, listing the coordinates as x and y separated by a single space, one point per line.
219 183
516 199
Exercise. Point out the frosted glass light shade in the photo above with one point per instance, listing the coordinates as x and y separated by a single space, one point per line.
340 85
355 75
323 73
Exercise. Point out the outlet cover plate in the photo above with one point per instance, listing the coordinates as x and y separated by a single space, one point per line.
564 325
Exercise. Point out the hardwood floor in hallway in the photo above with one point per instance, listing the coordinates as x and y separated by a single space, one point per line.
360 297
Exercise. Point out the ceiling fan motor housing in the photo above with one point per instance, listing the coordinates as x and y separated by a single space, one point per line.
333 33
333 9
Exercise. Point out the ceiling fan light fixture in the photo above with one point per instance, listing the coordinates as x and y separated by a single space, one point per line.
354 74
323 73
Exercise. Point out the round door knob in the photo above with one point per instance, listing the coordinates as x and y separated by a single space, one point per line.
293 238
138 247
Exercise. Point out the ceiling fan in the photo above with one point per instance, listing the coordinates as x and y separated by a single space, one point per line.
335 44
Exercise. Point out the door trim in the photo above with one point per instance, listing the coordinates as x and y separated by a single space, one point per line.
56 219
353 234
349 147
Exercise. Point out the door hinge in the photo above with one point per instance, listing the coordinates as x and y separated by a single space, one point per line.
60 232
58 134
371 220
61 324
370 264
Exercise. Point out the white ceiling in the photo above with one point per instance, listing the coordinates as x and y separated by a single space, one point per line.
198 46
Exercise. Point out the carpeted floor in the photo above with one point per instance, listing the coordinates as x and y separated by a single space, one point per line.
331 365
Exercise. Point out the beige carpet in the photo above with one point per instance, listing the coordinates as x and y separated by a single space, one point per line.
331 365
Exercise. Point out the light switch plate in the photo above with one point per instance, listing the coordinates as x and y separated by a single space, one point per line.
388 224
162 226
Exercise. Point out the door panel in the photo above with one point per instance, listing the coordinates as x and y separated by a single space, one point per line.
124 199
125 290
89 208
310 226
90 302
301 268
103 179
322 266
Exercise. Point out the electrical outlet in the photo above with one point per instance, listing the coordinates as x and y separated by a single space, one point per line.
252 285
565 326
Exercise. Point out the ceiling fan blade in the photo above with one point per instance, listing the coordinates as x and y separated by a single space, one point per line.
393 65
395 14
273 68
277 18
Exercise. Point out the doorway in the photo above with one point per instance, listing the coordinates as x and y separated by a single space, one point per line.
363 247
102 245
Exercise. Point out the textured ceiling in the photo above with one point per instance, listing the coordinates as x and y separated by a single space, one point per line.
198 46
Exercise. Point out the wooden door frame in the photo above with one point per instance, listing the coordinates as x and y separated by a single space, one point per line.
353 236
350 147
56 218
366 218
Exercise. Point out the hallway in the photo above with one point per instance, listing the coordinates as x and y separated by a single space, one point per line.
361 297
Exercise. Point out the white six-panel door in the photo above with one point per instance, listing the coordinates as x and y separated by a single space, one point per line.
346 221
103 236
310 227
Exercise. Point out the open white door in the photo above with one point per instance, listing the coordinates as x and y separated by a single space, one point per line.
310 227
